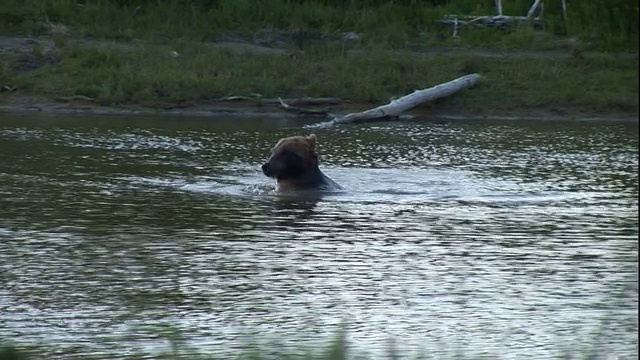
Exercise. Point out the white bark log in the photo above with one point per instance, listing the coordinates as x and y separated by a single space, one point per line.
398 106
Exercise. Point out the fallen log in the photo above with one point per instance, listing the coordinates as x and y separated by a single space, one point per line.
304 111
498 21
309 101
292 102
241 98
397 106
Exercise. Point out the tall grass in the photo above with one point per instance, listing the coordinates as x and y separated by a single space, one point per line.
605 25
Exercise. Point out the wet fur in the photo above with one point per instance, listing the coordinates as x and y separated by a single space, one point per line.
294 165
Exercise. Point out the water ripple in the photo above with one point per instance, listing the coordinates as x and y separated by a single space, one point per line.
516 239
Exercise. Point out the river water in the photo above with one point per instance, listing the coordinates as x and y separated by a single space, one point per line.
516 239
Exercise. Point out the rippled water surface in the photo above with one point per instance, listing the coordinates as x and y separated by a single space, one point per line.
517 239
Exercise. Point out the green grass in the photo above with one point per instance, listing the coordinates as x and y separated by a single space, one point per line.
145 73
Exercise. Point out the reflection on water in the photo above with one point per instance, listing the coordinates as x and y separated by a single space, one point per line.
512 238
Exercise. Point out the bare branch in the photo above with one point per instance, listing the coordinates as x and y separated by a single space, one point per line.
533 9
303 111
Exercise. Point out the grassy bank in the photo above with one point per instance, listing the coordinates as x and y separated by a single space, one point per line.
146 73
118 52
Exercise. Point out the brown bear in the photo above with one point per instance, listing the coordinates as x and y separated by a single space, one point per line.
294 164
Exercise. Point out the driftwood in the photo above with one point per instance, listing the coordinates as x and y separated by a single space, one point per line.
308 101
391 110
499 20
241 98
311 101
73 98
303 111
397 106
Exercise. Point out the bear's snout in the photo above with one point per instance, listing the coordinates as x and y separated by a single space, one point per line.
266 169
274 168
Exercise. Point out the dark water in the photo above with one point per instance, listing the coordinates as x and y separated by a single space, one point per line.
517 239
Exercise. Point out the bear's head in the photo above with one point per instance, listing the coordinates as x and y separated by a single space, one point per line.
293 158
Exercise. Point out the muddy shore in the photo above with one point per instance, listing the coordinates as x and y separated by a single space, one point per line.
21 104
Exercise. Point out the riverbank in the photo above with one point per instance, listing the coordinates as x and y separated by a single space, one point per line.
167 59
198 79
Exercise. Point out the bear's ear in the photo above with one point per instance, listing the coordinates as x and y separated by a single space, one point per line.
312 139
